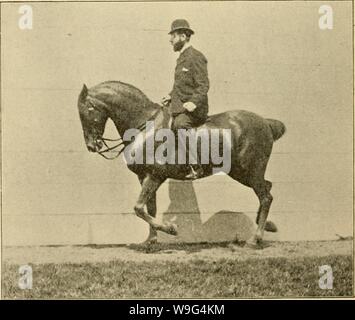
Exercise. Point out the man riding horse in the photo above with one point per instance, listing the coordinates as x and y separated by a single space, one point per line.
188 101
252 136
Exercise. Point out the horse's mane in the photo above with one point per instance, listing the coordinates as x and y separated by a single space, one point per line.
112 90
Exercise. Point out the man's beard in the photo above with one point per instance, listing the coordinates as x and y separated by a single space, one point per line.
178 45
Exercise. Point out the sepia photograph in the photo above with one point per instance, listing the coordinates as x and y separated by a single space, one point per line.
177 150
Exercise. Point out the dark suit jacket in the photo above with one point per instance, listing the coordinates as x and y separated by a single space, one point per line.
190 83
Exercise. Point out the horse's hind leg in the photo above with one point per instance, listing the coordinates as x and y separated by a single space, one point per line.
262 190
152 211
268 188
150 185
254 178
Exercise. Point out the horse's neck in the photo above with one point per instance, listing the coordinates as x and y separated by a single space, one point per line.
127 107
136 117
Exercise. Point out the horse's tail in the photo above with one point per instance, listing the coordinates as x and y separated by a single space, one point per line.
277 127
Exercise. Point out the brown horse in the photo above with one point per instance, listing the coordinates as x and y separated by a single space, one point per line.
252 138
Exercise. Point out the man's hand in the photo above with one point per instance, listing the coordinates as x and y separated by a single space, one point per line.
166 100
189 106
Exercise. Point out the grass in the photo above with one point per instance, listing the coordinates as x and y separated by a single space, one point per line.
223 278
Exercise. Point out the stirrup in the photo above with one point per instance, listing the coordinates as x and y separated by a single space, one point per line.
194 174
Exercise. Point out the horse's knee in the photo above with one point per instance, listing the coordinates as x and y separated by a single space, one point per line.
139 210
268 186
266 200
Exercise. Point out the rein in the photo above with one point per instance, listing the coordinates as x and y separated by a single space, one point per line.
121 142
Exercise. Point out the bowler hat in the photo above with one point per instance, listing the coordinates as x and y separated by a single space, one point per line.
180 24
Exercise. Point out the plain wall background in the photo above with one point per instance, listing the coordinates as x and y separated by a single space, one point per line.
267 57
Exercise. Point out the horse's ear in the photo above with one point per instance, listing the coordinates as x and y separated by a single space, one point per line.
84 92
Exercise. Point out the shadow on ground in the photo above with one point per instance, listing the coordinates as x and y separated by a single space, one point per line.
167 248
183 210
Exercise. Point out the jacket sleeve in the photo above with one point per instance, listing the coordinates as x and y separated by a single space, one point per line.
199 65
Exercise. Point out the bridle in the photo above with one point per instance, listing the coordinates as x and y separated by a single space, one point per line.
110 149
120 140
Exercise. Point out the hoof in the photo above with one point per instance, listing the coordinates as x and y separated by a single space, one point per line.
172 229
254 243
270 226
258 241
150 241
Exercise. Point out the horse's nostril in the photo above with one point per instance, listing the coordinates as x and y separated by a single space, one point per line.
99 145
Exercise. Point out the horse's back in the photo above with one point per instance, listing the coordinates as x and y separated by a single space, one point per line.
251 134
237 120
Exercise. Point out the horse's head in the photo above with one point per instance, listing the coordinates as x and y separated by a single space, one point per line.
93 116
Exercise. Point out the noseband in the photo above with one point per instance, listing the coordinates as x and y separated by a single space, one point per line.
110 149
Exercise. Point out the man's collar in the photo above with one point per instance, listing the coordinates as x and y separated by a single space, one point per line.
186 45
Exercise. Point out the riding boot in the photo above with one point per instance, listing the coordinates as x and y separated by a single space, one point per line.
195 173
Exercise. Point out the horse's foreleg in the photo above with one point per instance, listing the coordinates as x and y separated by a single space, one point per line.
150 185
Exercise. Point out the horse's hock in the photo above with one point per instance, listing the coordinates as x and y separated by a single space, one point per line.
183 210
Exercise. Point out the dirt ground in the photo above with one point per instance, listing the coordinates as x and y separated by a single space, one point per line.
172 252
